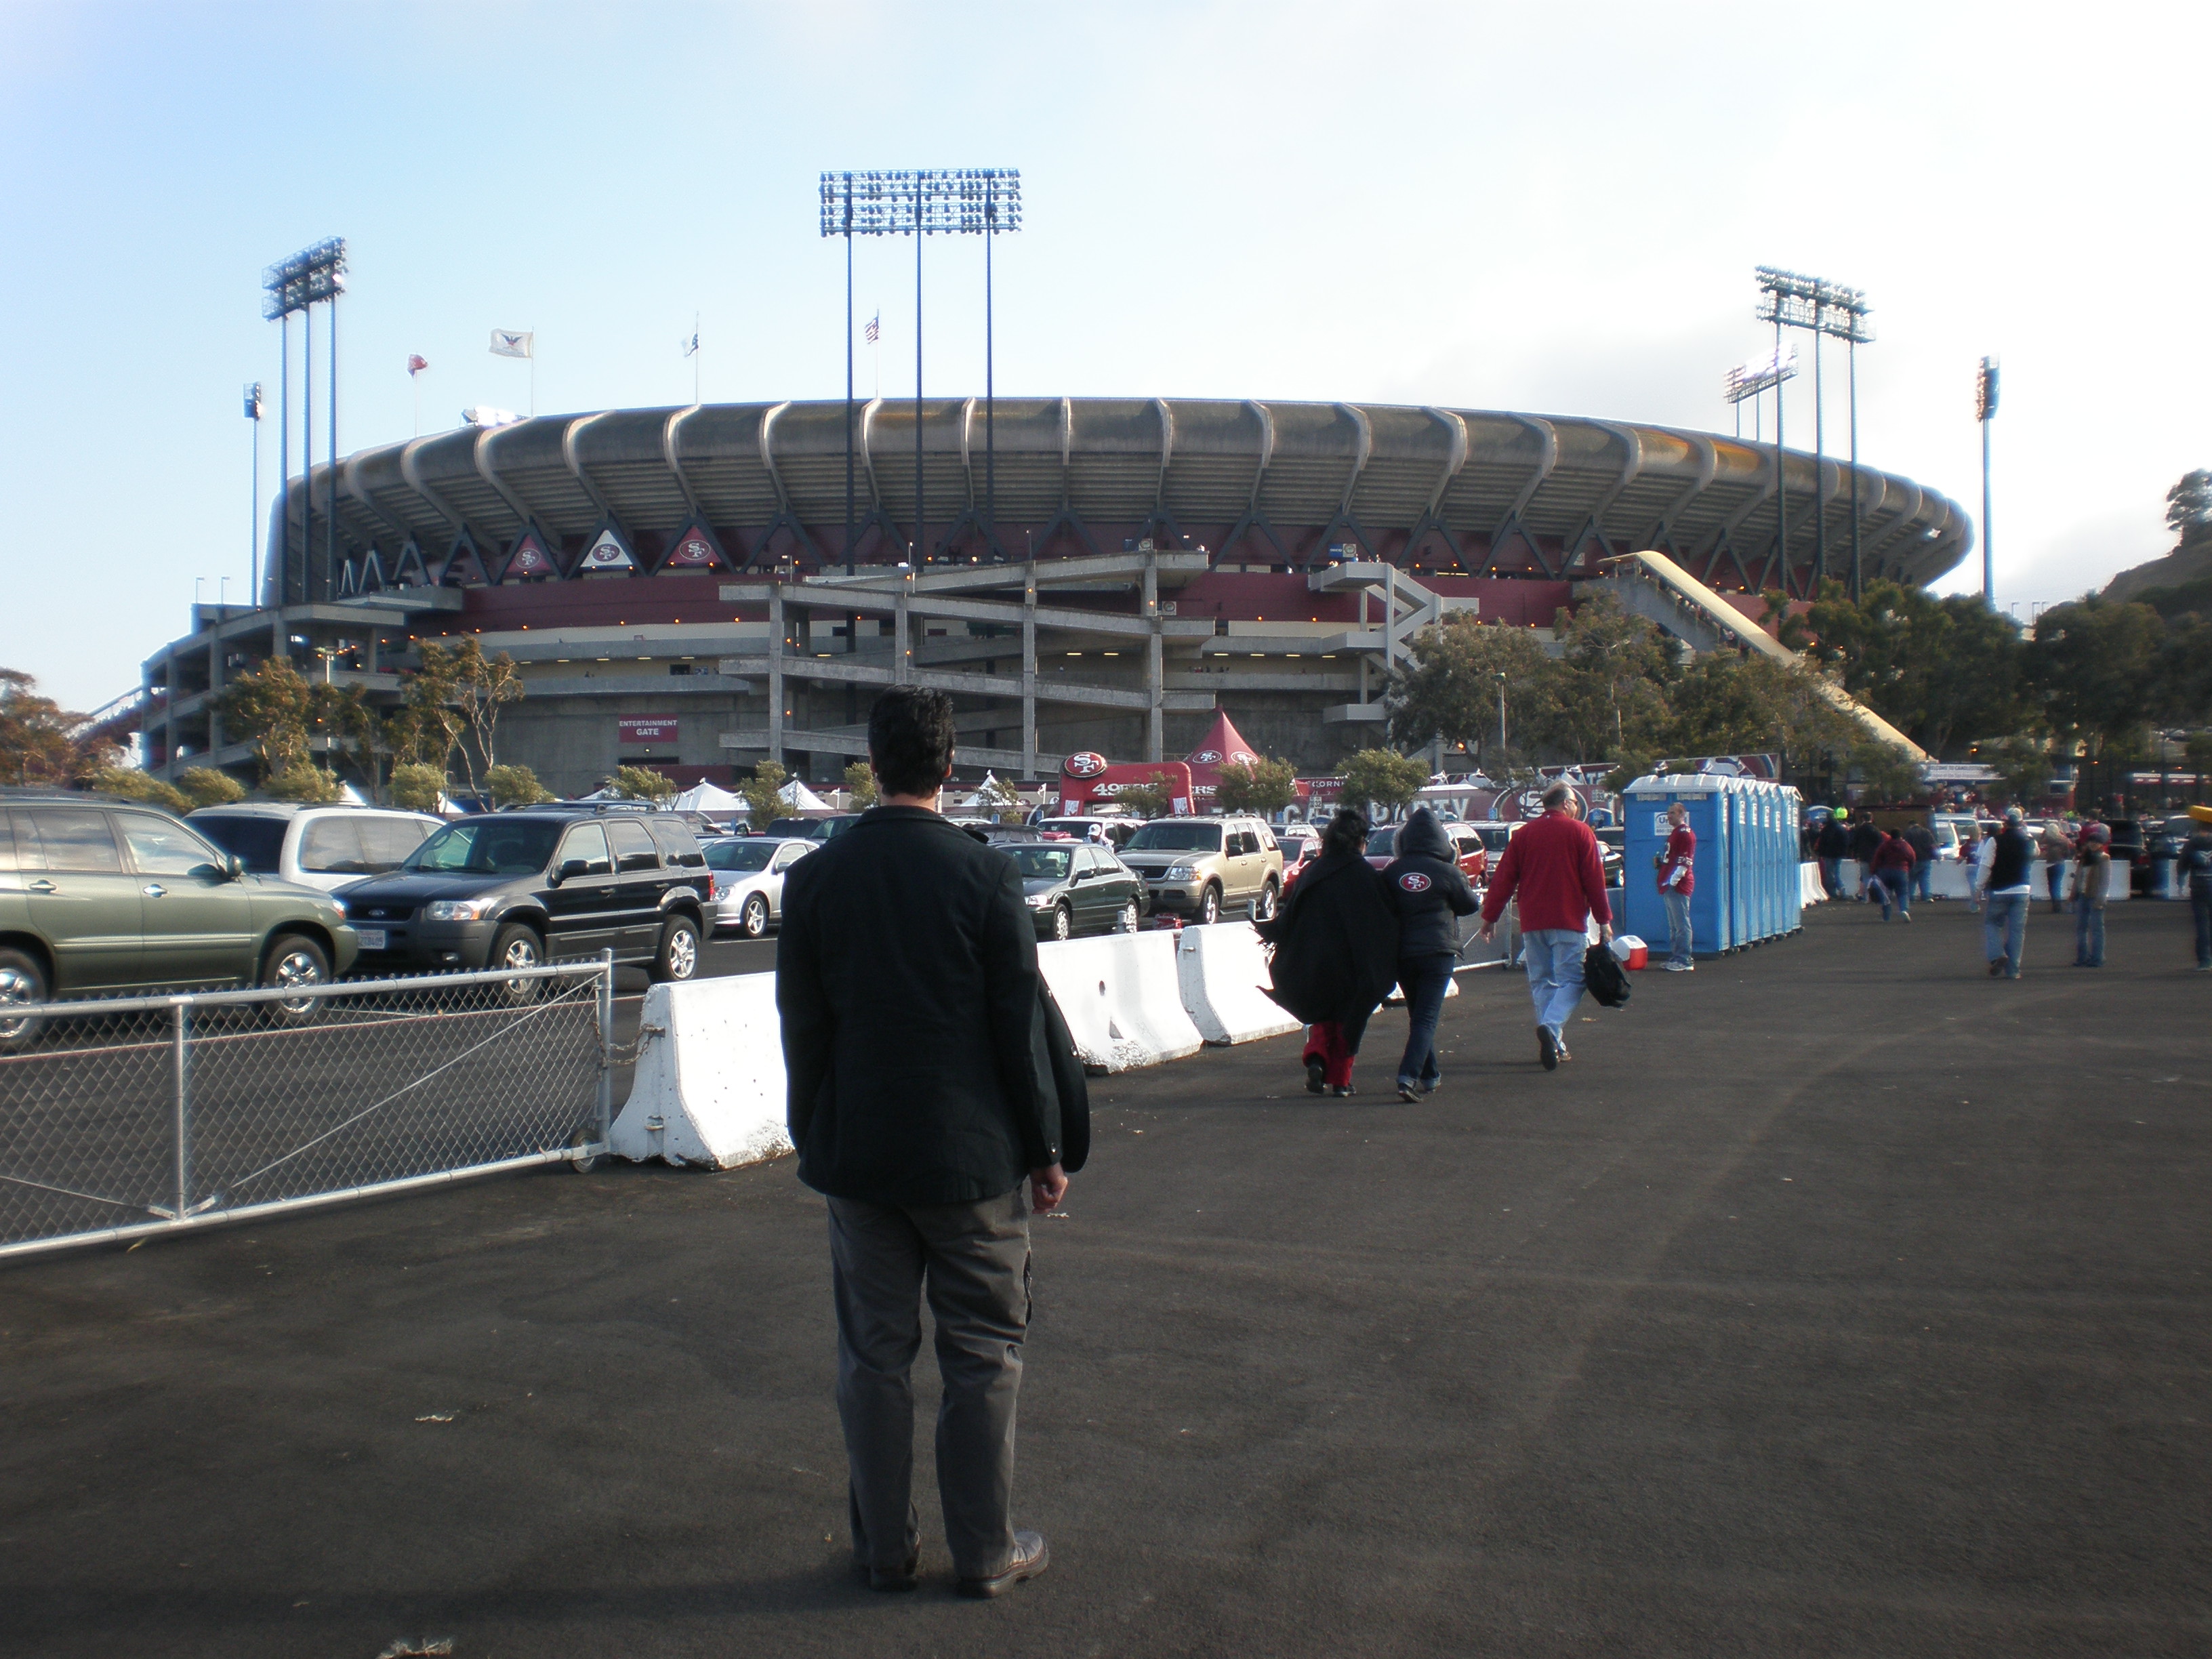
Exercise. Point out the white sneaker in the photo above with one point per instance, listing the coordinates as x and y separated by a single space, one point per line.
1682 968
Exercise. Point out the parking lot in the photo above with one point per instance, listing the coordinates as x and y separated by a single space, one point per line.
1833 1300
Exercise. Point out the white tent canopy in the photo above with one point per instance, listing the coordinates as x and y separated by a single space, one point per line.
704 797
797 796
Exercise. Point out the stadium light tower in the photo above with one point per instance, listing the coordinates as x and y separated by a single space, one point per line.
313 277
1832 311
1986 409
1747 381
964 201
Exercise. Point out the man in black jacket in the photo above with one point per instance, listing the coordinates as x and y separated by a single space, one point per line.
907 979
1831 845
1865 842
1428 891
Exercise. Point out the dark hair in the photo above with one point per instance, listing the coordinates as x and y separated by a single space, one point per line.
1346 832
910 740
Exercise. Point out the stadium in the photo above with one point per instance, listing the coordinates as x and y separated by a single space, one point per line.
1094 575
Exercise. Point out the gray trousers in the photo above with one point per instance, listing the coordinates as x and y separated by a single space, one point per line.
974 1260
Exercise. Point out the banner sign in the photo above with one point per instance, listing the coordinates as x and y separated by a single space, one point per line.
530 561
646 728
694 549
1086 778
608 551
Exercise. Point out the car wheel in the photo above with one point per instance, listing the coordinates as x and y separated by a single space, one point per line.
1063 922
1126 922
1263 908
752 921
1209 905
293 961
517 947
22 981
678 956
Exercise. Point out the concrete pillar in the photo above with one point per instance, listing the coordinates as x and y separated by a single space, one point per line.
902 650
1154 667
776 647
214 690
1029 674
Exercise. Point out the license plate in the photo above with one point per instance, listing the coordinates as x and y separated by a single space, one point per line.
372 938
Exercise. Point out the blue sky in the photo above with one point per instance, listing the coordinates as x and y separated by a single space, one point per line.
1553 208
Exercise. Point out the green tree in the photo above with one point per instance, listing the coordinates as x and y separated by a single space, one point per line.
2023 763
2188 503
1610 683
304 781
1383 777
1449 687
518 786
459 692
760 791
1152 799
1787 626
36 740
638 783
1259 786
417 786
860 785
1942 671
270 708
206 787
2094 669
132 784
1001 800
1724 704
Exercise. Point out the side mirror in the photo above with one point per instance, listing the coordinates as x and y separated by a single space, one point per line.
569 870
233 867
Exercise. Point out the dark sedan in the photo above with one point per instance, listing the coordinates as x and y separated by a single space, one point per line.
1072 889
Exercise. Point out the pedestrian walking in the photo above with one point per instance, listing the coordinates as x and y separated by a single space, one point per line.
2003 888
2196 868
1831 846
907 980
1335 952
2092 867
2055 848
1892 872
1429 893
1553 868
1865 842
1677 872
1922 840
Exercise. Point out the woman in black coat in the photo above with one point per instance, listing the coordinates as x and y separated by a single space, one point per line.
1335 952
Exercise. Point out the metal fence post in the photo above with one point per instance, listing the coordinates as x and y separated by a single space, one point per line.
181 1071
606 1046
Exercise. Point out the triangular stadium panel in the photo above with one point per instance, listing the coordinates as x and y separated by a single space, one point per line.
531 560
348 580
609 553
372 573
695 548
464 566
410 571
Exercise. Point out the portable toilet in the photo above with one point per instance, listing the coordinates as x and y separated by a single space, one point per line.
1793 900
1643 809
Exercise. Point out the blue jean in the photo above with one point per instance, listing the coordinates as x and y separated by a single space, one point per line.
1553 958
2004 929
1832 877
1677 924
1424 979
1923 871
2088 933
1892 890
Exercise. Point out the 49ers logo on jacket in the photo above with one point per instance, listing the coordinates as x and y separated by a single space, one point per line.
1085 765
1413 882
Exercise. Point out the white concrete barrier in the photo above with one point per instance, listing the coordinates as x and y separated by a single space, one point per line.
1122 998
1220 970
708 1088
1810 888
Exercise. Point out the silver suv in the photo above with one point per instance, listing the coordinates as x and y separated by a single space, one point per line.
324 847
1198 867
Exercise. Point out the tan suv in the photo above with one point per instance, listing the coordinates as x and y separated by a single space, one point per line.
1198 867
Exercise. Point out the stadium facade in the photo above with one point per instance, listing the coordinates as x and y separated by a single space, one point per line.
1094 575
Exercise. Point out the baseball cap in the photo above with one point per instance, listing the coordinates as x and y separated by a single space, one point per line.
2014 815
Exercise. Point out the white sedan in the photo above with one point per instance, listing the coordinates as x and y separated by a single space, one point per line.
748 875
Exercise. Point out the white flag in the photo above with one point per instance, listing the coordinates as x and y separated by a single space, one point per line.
505 342
690 345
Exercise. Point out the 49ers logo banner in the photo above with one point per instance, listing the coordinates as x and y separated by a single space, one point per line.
1413 882
1084 765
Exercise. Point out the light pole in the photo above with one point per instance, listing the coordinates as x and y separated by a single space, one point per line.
1827 309
254 525
314 276
1501 717
1986 409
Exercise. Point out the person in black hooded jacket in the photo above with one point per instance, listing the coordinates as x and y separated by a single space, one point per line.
1335 954
1428 892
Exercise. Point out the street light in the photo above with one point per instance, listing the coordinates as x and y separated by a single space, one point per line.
1831 310
313 277
1986 409
962 201
253 528
1501 717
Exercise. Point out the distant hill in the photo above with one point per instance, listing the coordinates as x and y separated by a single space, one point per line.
2189 562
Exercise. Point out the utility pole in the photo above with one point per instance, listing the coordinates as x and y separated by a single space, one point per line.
1986 409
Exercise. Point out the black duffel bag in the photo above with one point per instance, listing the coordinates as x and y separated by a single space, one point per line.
1604 976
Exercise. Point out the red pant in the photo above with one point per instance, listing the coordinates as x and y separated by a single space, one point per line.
1335 1044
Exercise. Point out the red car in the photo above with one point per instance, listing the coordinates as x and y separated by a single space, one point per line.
1469 851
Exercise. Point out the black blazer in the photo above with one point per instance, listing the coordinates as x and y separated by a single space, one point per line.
906 976
1336 942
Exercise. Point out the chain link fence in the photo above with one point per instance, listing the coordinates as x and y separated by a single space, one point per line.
136 1116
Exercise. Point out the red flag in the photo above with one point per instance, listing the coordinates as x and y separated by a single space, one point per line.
416 363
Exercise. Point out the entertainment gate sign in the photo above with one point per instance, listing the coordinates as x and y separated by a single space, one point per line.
646 728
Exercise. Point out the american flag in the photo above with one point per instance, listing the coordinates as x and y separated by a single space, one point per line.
416 363
874 329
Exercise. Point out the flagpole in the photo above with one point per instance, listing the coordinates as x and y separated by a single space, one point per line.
306 454
280 554
697 352
331 521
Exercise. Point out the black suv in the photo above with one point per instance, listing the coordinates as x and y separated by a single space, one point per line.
512 889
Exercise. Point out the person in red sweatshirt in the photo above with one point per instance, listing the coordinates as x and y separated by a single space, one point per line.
1678 879
1553 868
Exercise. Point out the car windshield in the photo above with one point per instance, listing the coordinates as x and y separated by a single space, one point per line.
1168 836
258 843
1040 863
487 846
739 855
1379 841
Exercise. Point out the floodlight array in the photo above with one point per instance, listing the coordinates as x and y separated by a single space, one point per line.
1814 302
1748 380
308 277
922 202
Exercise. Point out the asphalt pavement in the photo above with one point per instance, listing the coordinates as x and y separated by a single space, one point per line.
1836 1299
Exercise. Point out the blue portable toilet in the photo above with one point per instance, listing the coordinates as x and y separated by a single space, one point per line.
1643 809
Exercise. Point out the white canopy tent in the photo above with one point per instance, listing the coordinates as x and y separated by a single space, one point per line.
710 799
797 796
